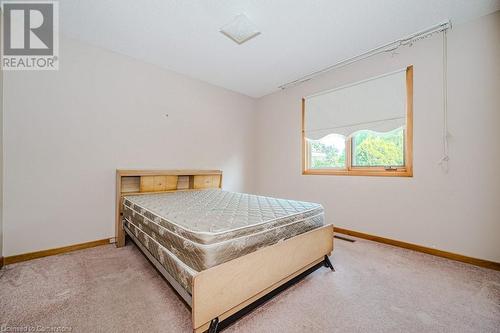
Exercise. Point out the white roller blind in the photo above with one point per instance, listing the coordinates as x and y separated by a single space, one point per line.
377 104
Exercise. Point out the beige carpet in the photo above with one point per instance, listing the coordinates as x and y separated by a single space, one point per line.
376 288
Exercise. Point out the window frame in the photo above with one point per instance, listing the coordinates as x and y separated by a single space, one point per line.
404 171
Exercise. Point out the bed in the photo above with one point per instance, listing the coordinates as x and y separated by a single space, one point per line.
220 250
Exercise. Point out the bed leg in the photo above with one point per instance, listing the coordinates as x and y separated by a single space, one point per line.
328 263
214 325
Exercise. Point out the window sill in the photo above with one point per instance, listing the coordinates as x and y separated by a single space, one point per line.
361 172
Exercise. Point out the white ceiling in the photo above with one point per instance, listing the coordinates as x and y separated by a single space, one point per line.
298 36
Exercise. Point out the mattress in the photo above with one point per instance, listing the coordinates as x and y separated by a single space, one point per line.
181 272
205 228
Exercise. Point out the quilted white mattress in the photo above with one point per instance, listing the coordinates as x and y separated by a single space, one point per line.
208 227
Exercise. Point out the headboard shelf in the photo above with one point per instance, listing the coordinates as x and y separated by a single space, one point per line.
157 192
176 172
138 182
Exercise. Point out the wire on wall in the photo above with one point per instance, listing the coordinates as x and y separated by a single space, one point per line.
445 158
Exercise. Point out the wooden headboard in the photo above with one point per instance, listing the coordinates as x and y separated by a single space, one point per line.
158 181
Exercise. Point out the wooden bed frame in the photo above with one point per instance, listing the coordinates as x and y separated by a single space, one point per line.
221 291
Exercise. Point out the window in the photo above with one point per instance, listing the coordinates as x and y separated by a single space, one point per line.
364 128
328 152
373 149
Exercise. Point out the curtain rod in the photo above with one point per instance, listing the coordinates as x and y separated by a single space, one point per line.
388 47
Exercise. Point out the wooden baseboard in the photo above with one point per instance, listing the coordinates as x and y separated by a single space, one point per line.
44 253
424 249
1 262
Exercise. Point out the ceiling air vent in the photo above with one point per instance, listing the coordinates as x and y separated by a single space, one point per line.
240 29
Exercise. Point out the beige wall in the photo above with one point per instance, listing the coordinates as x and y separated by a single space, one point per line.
458 211
67 131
